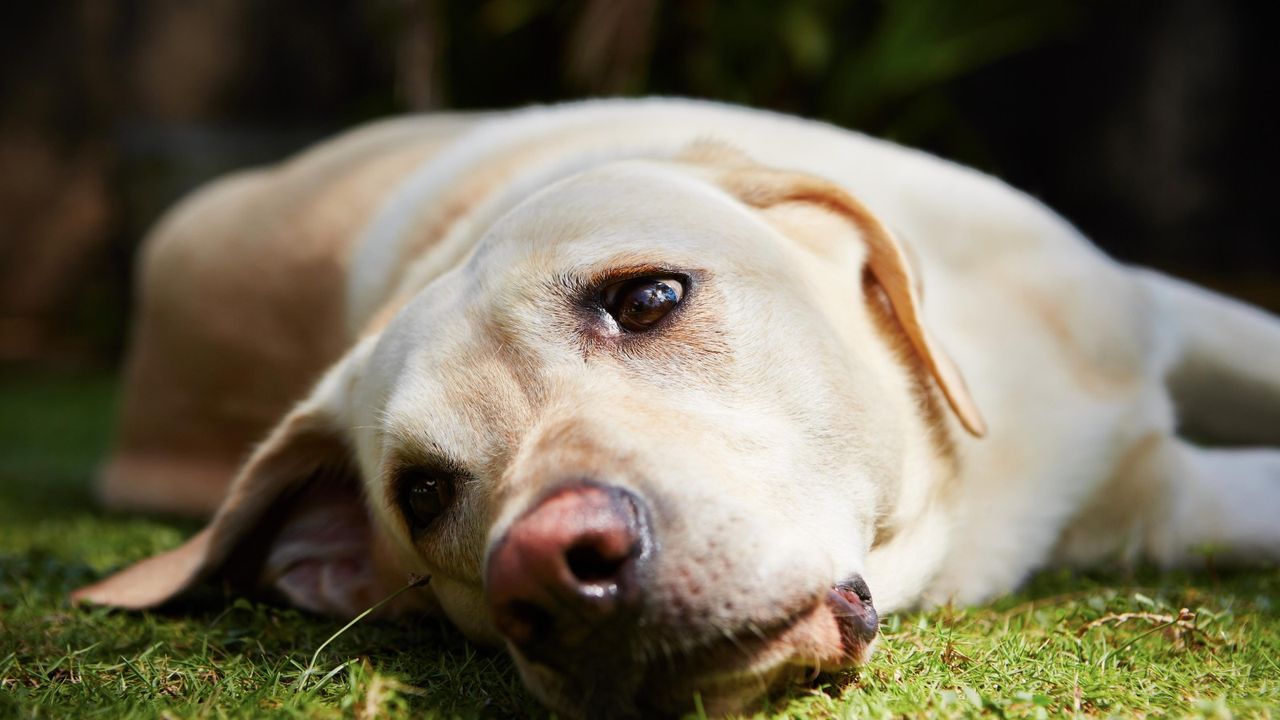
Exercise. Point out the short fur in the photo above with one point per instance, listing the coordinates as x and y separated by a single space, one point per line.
886 365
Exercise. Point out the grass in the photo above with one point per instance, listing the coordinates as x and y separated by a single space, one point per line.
1099 645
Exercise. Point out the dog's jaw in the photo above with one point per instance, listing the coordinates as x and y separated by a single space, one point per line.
653 678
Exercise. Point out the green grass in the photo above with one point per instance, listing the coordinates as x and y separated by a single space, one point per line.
1093 646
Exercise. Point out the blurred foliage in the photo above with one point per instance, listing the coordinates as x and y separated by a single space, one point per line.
882 66
1141 123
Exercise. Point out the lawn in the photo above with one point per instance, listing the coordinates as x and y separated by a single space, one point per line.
1117 643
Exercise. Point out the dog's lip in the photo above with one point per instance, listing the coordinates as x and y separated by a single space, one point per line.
817 637
750 662
731 673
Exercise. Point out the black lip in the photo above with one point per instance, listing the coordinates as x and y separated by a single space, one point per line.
857 586
855 614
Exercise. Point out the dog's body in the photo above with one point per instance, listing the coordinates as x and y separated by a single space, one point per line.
797 420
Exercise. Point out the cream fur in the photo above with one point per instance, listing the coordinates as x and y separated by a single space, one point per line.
793 423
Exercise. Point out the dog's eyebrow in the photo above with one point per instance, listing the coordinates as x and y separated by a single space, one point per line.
627 270
409 450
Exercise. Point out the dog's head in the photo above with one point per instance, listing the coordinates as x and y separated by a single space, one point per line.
646 434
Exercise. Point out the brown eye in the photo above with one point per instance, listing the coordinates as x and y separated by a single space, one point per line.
425 494
639 303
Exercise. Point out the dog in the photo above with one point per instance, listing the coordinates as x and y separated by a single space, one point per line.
660 393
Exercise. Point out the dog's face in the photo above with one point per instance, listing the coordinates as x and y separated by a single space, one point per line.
648 453
645 434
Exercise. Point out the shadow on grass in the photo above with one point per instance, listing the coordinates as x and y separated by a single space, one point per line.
248 659
243 657
66 657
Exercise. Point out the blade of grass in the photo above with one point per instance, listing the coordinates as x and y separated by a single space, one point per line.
414 582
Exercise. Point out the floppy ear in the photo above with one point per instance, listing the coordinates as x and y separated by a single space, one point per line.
294 521
762 187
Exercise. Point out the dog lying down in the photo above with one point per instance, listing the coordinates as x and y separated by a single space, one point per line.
661 393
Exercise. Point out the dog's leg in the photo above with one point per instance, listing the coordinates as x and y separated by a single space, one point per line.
1223 362
217 353
1215 502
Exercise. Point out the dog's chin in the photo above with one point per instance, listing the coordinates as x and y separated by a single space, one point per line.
652 678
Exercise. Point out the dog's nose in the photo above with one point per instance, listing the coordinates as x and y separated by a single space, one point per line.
567 569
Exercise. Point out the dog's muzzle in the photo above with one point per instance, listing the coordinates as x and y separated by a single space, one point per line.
569 587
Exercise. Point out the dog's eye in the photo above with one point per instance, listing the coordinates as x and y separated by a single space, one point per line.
425 494
639 303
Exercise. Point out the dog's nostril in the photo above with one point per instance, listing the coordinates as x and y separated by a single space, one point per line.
591 562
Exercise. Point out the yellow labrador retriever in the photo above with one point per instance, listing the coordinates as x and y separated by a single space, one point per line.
660 393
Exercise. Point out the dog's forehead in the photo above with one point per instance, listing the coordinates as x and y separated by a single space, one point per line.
472 357
643 211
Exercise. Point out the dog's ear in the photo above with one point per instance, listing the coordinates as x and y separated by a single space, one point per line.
294 521
762 187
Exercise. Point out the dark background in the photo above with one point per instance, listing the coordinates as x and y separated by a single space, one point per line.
1147 124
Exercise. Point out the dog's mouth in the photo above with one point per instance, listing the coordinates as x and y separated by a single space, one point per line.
654 675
